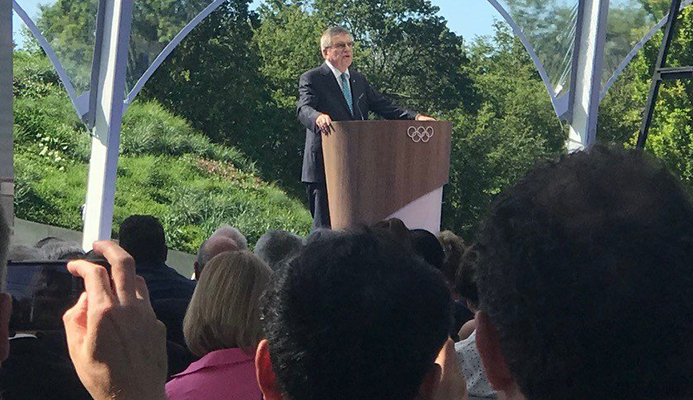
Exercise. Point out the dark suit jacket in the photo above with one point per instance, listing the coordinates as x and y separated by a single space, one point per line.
164 282
319 92
35 370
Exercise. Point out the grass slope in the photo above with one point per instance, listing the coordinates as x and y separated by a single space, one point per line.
166 169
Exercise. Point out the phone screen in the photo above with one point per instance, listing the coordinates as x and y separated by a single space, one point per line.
41 293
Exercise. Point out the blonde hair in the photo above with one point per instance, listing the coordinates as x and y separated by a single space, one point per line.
224 310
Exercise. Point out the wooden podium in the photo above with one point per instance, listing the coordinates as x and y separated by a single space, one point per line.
387 169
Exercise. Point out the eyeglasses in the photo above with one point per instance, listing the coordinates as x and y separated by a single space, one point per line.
342 45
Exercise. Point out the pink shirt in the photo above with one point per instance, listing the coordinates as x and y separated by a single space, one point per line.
227 374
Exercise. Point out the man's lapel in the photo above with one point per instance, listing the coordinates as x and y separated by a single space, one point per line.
334 86
356 93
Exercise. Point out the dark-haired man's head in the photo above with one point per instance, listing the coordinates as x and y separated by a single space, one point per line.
353 316
465 280
585 282
453 247
276 247
142 236
427 246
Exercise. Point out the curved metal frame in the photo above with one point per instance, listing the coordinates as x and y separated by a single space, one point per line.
559 108
169 48
64 77
622 66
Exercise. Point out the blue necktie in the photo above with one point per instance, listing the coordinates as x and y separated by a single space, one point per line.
347 92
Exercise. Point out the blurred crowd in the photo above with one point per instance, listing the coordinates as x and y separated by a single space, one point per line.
578 286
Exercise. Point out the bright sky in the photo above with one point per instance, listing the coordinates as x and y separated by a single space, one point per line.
468 18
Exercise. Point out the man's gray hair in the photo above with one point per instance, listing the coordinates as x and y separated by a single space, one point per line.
212 247
232 233
62 250
277 247
21 252
326 39
226 238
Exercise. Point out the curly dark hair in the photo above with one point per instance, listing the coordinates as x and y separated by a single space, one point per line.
453 247
585 270
355 316
465 279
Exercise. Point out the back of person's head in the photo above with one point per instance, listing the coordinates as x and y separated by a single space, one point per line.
585 274
453 247
63 251
143 237
465 281
233 234
275 247
48 240
427 246
354 316
212 247
397 228
224 311
21 252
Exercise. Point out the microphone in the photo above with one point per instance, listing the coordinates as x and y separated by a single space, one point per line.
359 106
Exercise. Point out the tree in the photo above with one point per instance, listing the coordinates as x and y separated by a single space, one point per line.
513 129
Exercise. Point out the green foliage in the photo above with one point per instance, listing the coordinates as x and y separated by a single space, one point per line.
167 169
671 133
515 127
235 79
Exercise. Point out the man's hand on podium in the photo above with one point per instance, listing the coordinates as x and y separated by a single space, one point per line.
324 123
424 117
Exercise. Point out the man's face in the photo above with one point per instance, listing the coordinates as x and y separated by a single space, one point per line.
341 53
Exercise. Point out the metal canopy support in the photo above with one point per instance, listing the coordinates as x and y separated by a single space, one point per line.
6 143
114 18
587 73
661 73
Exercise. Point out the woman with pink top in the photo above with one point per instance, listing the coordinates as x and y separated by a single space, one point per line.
222 326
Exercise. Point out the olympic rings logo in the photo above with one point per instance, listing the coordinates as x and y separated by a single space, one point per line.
420 133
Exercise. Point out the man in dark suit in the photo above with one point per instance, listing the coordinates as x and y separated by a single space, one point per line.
333 92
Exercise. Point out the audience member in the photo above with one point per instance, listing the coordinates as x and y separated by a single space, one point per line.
466 286
468 357
31 369
64 250
397 228
214 245
354 316
222 326
116 343
335 306
277 247
48 240
142 236
585 282
234 234
24 253
454 248
426 245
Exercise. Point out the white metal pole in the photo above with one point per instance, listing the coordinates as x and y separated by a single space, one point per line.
589 55
6 142
115 40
